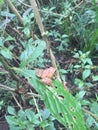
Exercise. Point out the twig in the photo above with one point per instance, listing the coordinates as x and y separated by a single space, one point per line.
3 71
39 22
17 101
8 68
33 94
54 65
36 106
12 7
43 11
6 87
77 6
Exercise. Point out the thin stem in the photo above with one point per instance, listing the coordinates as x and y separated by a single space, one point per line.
6 87
12 7
17 101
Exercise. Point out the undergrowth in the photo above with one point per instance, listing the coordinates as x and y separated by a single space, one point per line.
66 99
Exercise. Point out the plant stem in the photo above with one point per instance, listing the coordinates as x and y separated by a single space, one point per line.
44 35
12 7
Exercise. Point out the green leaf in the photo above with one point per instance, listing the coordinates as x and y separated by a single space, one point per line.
80 95
77 66
11 110
79 82
86 74
30 114
94 108
11 120
32 52
95 78
50 127
27 32
65 108
27 73
1 1
45 114
6 53
21 115
91 121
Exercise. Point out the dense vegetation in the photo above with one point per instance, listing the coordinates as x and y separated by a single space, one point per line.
48 64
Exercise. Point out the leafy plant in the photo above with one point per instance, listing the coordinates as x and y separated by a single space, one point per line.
71 25
33 50
22 119
56 97
27 119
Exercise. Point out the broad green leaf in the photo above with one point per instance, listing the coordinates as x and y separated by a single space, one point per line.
80 95
27 31
26 20
95 78
79 83
11 120
30 114
21 115
1 1
62 105
77 66
91 121
86 73
45 114
32 52
94 108
6 53
27 73
11 110
65 108
44 124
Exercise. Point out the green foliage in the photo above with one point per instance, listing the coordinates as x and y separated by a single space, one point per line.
22 119
33 50
71 25
27 119
4 51
27 23
1 2
90 120
60 102
85 64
